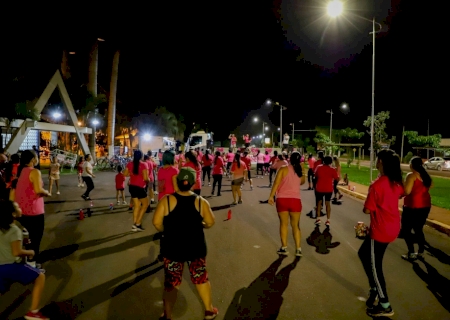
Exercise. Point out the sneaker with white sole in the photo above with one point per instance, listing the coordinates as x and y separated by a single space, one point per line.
209 315
327 223
35 316
118 202
58 192
133 227
139 228
298 253
379 311
283 251
124 203
318 222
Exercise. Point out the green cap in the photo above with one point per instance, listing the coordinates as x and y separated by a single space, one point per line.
187 174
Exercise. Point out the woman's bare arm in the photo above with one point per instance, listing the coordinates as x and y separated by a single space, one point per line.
36 180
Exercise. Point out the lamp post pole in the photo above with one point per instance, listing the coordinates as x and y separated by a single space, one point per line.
373 101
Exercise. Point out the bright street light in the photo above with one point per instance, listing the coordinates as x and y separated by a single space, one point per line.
147 137
278 129
335 8
255 119
95 122
56 115
267 128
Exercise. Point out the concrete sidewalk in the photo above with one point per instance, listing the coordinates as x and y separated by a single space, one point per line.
439 218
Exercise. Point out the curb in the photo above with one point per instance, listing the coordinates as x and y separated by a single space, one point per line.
439 226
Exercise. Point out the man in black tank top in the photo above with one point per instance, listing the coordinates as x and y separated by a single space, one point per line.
182 216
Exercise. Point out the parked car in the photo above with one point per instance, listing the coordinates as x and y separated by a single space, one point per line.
437 163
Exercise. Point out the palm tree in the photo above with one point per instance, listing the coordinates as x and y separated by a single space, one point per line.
112 103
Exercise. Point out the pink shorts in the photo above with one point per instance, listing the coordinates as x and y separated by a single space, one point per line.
289 205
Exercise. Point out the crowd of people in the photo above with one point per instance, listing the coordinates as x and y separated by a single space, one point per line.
182 214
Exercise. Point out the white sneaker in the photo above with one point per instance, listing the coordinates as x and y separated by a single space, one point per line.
124 203
58 192
79 185
83 185
155 192
118 202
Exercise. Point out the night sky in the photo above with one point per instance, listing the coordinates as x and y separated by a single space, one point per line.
217 63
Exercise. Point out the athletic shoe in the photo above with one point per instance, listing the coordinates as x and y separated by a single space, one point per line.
35 316
298 253
209 315
327 223
133 227
282 251
318 222
409 256
124 203
139 228
234 203
240 201
373 296
379 311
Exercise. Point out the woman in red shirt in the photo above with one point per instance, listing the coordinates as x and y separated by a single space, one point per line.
206 166
138 173
191 162
382 205
217 173
416 207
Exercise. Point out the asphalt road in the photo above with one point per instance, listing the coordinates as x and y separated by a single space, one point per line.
98 269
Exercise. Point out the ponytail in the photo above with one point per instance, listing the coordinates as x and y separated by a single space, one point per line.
416 164
295 162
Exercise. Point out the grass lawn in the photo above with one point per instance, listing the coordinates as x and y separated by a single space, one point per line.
439 192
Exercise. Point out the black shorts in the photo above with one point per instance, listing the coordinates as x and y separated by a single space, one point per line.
120 189
229 165
137 192
249 174
259 166
247 145
266 165
320 196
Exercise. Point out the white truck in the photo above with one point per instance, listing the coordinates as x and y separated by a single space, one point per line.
201 140
154 143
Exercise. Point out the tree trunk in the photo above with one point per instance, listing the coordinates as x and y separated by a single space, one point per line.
92 88
65 69
112 103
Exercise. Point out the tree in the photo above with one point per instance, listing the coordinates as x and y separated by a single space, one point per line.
322 139
379 134
414 139
348 135
112 102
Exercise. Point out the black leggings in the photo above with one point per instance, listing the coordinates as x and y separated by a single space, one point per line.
414 219
371 254
310 175
272 171
206 171
35 227
217 180
89 185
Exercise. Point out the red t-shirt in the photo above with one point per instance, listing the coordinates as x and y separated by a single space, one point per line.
325 176
207 160
165 184
198 172
120 181
137 180
218 166
317 163
273 159
382 201
247 161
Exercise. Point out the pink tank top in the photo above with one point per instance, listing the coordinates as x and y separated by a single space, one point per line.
290 185
30 203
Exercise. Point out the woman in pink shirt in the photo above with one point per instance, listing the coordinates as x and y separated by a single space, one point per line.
259 164
382 205
29 196
233 141
230 159
137 170
239 171
247 140
280 163
286 188
167 175
266 163
191 162
218 169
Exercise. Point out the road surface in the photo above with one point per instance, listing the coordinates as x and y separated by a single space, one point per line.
98 269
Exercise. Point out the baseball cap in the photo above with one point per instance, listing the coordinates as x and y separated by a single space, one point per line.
187 175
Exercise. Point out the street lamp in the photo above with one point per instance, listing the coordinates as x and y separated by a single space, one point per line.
335 8
331 121
281 118
56 115
293 128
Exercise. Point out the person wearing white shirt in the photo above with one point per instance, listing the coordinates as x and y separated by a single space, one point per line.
88 174
286 141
